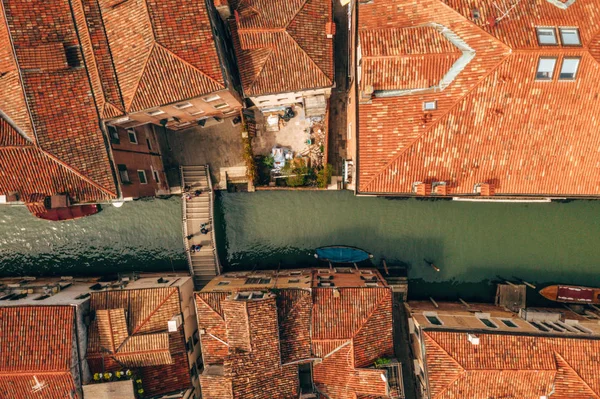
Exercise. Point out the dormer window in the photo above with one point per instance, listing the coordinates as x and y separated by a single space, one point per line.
569 67
546 36
430 105
569 36
545 69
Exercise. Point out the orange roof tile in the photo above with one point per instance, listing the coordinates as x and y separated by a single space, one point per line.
36 341
164 53
254 340
50 104
283 47
527 367
494 123
139 338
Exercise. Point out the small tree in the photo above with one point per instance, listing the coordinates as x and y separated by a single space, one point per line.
324 176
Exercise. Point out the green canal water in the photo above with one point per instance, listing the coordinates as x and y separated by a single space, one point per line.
472 243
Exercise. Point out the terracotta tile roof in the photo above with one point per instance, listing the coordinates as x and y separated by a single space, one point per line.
49 103
36 341
130 330
283 47
164 53
348 331
494 123
511 366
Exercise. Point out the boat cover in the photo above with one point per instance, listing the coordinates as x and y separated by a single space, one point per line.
342 254
578 294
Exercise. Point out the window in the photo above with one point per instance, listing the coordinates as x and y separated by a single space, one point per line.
371 285
434 320
142 176
243 295
323 271
568 69
223 283
488 323
194 371
156 112
195 338
345 270
196 113
132 136
113 132
293 280
430 105
326 284
221 106
509 323
149 144
545 69
183 105
73 56
211 98
155 175
257 280
569 36
123 174
546 36
295 273
538 326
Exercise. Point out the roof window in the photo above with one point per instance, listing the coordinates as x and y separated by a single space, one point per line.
156 112
73 55
326 284
324 278
211 98
569 67
371 285
293 280
545 69
257 280
538 326
488 323
223 283
433 319
569 36
345 270
430 105
546 36
324 271
366 272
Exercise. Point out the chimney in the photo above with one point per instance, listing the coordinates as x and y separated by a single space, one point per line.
420 188
330 29
487 189
473 339
440 188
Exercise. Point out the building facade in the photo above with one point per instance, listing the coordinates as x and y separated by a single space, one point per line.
471 100
481 350
310 333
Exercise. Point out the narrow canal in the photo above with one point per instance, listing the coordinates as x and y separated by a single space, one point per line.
472 243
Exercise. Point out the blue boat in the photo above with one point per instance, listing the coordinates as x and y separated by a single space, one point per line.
342 254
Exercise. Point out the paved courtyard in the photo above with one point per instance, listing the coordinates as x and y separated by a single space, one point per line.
219 146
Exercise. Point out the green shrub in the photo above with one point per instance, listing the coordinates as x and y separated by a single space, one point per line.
268 161
382 361
324 176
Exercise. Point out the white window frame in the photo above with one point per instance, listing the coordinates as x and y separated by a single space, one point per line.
143 173
200 112
183 105
155 112
221 106
546 31
569 31
430 105
212 98
550 71
433 314
576 70
131 131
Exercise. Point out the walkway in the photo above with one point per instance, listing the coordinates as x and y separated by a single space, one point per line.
198 210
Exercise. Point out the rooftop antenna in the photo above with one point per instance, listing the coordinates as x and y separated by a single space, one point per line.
38 386
504 14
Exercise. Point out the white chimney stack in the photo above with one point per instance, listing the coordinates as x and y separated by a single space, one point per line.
473 339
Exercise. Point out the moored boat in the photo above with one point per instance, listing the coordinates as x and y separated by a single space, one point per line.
571 294
342 254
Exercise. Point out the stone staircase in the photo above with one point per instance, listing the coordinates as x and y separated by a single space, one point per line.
204 265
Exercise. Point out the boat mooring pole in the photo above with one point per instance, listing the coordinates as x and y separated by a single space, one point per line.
385 266
528 284
464 302
434 302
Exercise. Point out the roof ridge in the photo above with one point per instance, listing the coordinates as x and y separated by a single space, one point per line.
154 311
271 51
186 63
309 57
559 356
76 172
296 14
375 308
137 83
434 123
461 374
443 350
210 307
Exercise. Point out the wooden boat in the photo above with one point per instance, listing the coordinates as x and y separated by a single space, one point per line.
572 294
342 254
68 213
